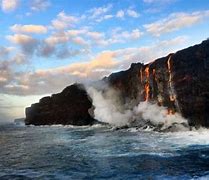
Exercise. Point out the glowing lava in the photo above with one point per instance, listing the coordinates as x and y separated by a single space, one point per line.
169 70
171 90
147 86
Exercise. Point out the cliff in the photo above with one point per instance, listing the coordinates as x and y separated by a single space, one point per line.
179 81
71 106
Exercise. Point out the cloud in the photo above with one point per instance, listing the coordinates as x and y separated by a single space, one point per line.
120 36
64 21
9 5
27 43
100 14
105 17
40 5
87 39
175 22
37 29
105 60
46 81
158 1
55 79
132 13
100 11
5 73
76 32
19 59
60 45
120 14
95 35
4 51
57 38
79 41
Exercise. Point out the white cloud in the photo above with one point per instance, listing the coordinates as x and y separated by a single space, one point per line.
100 14
64 21
9 5
57 38
95 35
27 43
40 5
124 36
76 32
175 22
20 39
79 41
128 12
100 11
19 58
105 17
38 29
4 51
132 13
120 14
158 1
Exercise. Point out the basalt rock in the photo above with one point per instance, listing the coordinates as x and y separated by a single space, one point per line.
179 81
71 106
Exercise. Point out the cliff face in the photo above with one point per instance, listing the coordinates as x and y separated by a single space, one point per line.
71 106
178 81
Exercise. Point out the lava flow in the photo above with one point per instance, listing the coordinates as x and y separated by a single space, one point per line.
147 86
172 94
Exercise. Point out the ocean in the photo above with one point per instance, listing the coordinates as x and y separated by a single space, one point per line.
100 152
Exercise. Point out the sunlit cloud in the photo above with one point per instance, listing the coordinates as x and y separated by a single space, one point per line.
38 29
9 5
27 43
40 5
63 21
133 13
175 22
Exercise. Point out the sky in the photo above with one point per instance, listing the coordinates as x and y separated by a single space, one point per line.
46 45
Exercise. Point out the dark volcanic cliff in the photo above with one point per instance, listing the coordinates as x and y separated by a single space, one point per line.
178 81
71 106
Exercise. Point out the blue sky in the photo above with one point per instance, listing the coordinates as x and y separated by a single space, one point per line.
49 44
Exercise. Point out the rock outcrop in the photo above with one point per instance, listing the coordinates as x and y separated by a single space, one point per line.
71 106
179 81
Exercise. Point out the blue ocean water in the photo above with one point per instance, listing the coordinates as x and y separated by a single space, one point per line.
98 152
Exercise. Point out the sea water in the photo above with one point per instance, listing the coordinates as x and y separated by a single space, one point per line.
100 152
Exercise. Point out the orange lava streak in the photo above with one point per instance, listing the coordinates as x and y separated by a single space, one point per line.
147 86
172 98
170 112
147 72
169 68
153 72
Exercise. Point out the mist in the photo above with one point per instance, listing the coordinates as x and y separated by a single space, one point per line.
109 108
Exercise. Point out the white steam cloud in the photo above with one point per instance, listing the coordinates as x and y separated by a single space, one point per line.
110 109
